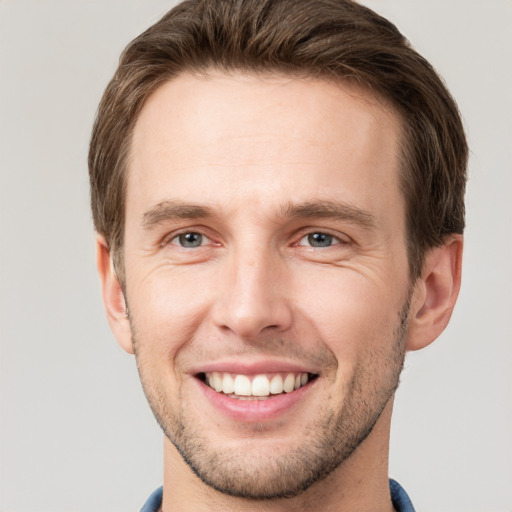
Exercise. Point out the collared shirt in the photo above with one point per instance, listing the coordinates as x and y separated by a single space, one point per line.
399 498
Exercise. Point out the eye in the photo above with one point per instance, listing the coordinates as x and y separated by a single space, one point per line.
319 240
189 240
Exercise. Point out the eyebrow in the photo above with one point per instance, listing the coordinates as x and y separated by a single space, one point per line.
172 210
330 209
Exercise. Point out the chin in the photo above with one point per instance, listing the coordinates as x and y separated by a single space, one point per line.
261 467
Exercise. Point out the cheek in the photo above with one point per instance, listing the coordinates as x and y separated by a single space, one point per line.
166 308
169 293
352 314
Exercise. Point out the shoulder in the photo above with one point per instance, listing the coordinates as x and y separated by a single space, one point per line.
153 502
399 498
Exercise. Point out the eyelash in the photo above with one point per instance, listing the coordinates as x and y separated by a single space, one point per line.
176 236
332 239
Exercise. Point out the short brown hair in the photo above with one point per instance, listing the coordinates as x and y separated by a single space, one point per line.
329 39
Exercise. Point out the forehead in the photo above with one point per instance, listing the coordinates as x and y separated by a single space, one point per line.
245 138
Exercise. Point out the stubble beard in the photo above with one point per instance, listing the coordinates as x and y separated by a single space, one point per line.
332 438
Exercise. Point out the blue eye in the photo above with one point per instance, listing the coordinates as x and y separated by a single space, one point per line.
189 240
319 240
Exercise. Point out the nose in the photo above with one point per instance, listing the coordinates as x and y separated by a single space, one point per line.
252 297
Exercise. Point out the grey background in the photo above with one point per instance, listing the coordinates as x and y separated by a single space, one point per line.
76 433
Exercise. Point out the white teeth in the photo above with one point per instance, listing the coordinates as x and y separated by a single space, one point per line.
242 385
228 384
260 386
289 383
217 381
276 385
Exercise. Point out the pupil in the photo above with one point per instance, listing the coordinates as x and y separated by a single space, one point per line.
191 239
320 240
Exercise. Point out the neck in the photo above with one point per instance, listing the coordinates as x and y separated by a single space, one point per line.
360 483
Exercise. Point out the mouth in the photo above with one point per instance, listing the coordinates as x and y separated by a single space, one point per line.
263 386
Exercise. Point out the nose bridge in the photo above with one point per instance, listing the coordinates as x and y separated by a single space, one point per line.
254 292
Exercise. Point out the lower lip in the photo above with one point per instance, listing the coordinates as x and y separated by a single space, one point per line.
255 410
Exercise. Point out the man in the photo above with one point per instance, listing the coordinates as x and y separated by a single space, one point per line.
277 188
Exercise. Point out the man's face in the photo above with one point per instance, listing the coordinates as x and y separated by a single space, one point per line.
265 257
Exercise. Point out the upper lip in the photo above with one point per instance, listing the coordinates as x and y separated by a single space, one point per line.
253 367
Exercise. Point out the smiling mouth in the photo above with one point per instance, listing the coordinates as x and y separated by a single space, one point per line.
256 387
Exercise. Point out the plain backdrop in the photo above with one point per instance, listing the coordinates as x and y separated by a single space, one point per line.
76 433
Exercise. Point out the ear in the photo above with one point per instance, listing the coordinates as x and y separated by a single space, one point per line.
435 293
113 297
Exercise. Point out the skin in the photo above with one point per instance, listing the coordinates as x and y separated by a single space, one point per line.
256 165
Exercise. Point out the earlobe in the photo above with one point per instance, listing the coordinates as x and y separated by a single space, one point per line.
113 297
435 293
